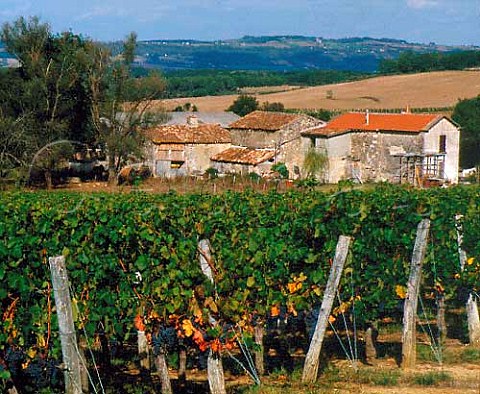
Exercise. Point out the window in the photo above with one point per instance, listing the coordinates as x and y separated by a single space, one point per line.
442 144
176 164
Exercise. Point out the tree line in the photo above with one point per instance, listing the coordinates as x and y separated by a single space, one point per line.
194 83
68 92
410 62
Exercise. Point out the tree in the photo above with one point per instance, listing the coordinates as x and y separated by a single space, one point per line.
50 101
467 114
273 107
121 105
243 105
314 163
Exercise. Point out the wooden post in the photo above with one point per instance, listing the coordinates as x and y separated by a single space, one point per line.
441 323
312 360
82 346
473 322
471 307
182 364
370 349
216 378
71 359
143 352
162 369
259 332
411 301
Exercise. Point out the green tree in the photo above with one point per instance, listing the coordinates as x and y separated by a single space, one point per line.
314 163
243 105
274 107
122 105
467 114
50 100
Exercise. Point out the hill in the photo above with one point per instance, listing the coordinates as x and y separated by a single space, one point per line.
279 53
434 89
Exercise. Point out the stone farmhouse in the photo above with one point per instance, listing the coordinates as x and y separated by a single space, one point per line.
185 149
400 148
261 139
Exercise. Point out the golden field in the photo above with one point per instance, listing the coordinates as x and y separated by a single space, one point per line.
434 89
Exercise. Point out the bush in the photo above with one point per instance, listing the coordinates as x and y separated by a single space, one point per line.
282 170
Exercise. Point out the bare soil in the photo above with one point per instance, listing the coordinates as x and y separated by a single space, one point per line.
434 89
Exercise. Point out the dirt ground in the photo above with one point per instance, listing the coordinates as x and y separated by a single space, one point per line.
434 89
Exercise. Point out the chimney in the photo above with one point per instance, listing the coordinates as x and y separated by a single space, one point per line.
192 120
367 117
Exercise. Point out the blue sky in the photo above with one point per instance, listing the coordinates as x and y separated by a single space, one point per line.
440 21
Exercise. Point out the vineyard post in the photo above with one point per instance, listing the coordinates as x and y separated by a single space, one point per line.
473 321
370 339
259 352
411 301
312 360
216 378
143 351
71 359
473 318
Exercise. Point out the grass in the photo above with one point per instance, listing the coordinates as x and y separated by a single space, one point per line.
432 378
470 355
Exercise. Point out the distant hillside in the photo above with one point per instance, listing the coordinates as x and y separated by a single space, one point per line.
279 53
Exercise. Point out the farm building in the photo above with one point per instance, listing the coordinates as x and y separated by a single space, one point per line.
222 118
262 138
413 148
185 149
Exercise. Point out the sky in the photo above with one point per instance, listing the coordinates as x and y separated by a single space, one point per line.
450 22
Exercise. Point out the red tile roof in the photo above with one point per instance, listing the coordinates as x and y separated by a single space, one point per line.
263 120
240 155
186 134
357 121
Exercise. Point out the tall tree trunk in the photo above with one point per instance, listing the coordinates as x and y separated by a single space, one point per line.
259 362
48 179
162 369
216 379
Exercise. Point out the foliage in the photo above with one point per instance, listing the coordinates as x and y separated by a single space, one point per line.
281 169
188 83
121 104
131 255
274 107
467 114
47 98
314 163
411 62
69 90
243 105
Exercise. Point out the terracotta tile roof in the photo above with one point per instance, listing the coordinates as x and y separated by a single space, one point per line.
357 121
262 120
240 155
322 132
186 134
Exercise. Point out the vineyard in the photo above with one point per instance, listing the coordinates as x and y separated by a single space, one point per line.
137 265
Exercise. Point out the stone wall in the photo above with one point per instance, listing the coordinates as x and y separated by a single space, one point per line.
287 141
372 154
